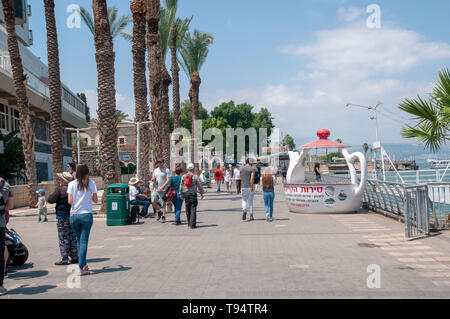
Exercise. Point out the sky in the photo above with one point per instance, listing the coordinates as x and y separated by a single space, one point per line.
304 60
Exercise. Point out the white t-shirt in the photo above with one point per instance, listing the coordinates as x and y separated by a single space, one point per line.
133 192
82 200
237 174
161 177
228 176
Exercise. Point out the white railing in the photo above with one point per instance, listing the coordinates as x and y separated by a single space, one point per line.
36 84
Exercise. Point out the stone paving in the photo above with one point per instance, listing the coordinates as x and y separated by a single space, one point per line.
296 256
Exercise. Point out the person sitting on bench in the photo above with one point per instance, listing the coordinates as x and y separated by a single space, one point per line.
137 198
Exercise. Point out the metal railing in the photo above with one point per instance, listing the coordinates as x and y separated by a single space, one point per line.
393 198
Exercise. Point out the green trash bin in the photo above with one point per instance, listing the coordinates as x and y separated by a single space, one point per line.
117 204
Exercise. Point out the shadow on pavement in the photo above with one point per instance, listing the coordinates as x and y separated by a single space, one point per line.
108 269
13 269
29 274
26 290
98 260
206 226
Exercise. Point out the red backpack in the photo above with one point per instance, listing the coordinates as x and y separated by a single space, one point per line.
189 180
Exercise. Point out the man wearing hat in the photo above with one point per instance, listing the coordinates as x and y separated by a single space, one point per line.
136 196
66 235
161 179
190 185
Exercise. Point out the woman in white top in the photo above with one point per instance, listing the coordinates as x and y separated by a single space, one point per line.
229 179
82 192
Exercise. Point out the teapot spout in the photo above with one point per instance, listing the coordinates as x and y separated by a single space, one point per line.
296 171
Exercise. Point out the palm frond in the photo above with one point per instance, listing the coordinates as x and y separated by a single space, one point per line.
112 14
194 51
441 91
171 4
421 109
126 34
182 28
431 137
118 26
165 26
87 19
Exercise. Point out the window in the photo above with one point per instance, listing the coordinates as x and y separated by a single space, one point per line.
121 140
4 117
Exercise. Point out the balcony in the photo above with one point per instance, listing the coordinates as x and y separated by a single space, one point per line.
74 111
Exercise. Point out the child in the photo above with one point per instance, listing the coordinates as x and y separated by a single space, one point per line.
42 205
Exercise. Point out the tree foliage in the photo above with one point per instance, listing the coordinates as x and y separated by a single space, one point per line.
12 162
432 116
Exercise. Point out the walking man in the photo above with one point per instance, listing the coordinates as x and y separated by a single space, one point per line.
218 176
161 178
190 184
247 182
237 178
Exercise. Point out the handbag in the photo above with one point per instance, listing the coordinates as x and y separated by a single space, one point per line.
170 193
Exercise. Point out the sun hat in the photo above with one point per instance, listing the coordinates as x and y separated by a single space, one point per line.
41 191
66 176
134 181
160 160
190 166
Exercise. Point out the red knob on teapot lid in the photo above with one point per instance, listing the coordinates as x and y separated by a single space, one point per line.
323 134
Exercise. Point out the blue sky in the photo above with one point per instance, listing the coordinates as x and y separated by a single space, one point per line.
302 59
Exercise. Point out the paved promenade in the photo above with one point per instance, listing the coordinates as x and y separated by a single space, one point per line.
296 256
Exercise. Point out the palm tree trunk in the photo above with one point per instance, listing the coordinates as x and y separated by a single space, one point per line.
165 114
107 116
140 87
155 81
175 69
19 80
55 90
194 98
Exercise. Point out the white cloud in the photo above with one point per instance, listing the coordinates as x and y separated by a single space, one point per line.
124 103
359 51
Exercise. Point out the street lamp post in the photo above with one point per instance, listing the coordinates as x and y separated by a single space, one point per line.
138 146
78 130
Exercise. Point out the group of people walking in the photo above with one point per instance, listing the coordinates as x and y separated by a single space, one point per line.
247 179
176 189
76 192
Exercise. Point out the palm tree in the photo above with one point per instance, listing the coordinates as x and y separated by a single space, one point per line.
432 115
20 80
107 115
117 25
121 115
55 89
194 52
365 148
339 141
140 86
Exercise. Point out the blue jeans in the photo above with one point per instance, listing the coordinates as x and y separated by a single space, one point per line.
81 225
218 185
145 203
178 203
268 202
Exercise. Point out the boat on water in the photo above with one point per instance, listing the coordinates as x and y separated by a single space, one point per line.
438 164
317 197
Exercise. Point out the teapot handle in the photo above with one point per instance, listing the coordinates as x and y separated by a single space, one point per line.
350 158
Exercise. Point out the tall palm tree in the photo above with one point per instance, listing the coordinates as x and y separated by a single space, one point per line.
55 89
157 82
432 116
365 148
178 33
20 80
107 115
117 25
194 52
139 50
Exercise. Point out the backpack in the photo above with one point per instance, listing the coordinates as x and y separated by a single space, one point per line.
257 173
133 215
217 174
189 180
171 193
2 200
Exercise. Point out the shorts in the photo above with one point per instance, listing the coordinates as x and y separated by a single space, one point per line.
42 211
157 197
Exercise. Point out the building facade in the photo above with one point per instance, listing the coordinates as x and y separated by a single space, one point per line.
90 142
73 108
